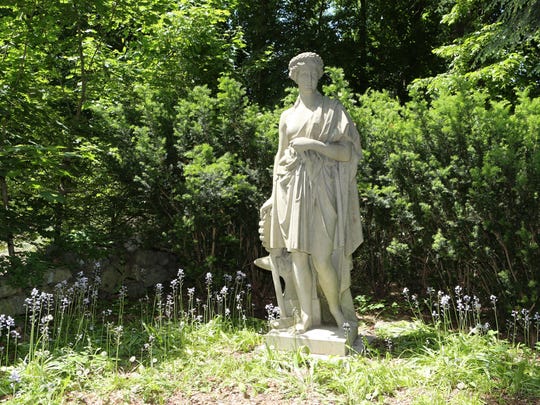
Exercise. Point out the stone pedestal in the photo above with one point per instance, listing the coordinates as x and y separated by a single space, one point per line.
324 340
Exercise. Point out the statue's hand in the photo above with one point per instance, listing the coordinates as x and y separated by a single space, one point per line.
302 144
266 207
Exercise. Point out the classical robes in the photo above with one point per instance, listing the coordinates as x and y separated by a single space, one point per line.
315 198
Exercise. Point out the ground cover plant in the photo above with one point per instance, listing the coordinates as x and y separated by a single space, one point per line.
182 347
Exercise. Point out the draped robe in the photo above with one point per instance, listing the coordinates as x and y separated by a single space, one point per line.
315 203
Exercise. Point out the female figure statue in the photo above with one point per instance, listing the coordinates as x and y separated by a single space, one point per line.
314 209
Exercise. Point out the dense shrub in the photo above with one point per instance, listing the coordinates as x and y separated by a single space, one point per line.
450 189
190 182
449 183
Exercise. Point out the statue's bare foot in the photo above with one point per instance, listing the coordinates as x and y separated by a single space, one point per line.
281 323
304 325
340 319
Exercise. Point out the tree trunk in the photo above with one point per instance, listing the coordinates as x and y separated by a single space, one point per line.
5 202
362 41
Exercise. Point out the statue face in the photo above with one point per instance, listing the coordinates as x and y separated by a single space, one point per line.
307 78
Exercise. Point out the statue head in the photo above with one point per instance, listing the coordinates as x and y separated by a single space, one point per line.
309 59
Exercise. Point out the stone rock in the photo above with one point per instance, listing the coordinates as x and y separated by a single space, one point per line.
70 258
163 259
7 290
144 258
132 245
135 289
55 276
111 279
138 271
149 277
152 267
13 305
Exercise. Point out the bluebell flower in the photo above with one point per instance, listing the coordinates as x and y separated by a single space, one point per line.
15 377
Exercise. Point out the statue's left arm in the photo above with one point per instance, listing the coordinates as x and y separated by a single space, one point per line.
340 151
339 139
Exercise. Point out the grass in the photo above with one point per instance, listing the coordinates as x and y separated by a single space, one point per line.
175 350
217 361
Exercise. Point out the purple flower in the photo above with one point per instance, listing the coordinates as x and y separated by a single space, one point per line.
272 311
445 301
476 303
169 305
15 377
9 322
46 319
64 304
240 276
82 282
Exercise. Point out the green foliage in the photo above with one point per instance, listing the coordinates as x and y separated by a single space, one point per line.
363 305
215 192
134 121
24 270
225 155
92 146
450 191
379 45
201 165
495 45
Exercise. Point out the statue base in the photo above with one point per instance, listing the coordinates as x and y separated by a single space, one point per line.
323 340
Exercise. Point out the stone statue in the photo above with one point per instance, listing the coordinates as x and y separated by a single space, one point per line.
311 224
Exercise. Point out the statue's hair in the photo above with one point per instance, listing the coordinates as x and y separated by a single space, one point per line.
303 59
